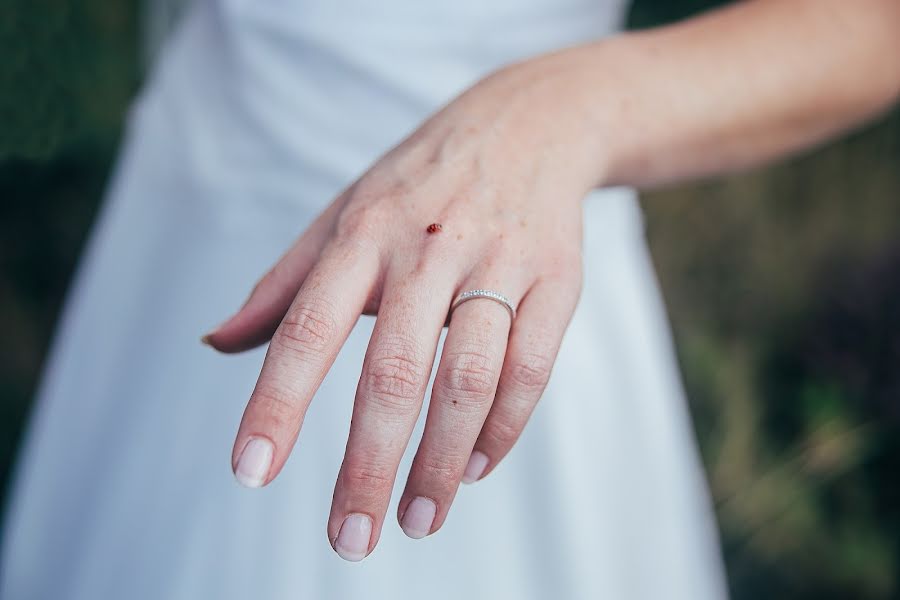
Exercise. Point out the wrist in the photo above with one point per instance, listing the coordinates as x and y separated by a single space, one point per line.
574 117
538 113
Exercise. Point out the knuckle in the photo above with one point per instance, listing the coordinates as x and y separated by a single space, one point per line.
395 375
278 409
501 433
263 283
359 220
270 279
470 376
367 477
273 279
440 470
435 259
566 269
531 371
278 275
307 328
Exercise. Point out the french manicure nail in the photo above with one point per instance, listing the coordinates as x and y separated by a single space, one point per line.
477 464
255 461
352 542
418 518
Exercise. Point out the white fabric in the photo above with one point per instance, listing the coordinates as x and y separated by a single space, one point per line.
257 114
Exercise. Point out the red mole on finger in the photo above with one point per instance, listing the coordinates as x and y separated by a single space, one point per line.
435 228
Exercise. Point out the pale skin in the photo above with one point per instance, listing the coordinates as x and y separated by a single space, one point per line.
503 168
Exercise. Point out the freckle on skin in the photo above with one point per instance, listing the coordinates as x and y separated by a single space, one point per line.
459 236
523 222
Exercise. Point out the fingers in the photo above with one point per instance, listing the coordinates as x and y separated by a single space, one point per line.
461 398
534 342
394 378
256 321
302 350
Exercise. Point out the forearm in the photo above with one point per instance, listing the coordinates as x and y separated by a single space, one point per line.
728 90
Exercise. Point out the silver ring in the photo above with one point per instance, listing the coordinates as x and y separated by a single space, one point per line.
490 295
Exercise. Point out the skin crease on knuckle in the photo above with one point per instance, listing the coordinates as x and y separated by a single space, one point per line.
530 371
361 475
308 328
469 379
502 432
280 413
439 473
395 378
363 226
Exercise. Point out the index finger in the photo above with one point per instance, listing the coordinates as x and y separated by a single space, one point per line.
302 350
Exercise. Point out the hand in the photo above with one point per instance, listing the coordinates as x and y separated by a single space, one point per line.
506 197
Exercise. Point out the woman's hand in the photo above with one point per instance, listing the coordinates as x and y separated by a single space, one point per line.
483 196
502 169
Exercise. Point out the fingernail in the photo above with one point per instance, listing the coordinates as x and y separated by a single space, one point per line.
352 542
207 338
477 464
419 516
255 461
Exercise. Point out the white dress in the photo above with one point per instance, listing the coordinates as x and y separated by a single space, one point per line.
258 112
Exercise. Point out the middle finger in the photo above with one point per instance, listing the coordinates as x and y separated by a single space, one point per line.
463 392
394 378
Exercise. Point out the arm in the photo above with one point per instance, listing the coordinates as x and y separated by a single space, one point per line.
750 83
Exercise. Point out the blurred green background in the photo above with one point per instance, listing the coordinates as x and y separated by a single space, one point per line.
783 286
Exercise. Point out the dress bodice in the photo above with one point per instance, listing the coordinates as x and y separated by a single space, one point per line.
328 85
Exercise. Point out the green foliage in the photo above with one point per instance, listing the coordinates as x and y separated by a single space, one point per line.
67 73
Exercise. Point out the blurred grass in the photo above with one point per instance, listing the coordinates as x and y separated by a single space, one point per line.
783 287
784 291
